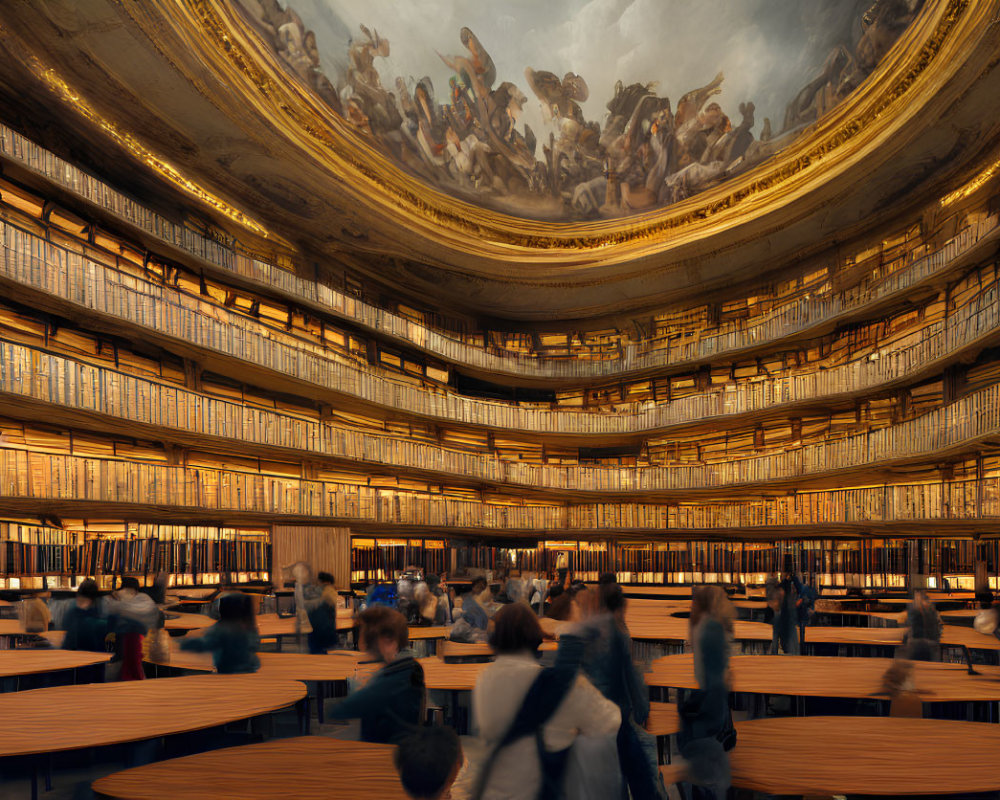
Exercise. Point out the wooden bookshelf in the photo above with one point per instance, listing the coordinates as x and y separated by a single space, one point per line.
106 550
250 346
872 274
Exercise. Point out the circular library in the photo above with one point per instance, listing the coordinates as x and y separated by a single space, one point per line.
398 402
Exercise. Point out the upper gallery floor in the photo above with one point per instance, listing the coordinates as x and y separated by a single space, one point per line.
846 284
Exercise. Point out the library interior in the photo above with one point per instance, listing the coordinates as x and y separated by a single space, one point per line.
620 421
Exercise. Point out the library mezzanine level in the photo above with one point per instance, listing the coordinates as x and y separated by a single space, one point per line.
267 299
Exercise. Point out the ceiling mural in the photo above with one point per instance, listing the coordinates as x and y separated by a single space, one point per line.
580 109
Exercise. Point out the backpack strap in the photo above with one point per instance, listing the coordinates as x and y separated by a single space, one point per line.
544 696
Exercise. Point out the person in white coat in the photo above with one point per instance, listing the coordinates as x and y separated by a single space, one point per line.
516 771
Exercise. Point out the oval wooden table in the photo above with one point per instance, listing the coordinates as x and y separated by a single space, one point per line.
884 756
42 721
286 769
853 678
181 621
336 667
16 664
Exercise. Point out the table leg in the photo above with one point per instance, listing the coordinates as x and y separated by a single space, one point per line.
319 701
34 778
48 772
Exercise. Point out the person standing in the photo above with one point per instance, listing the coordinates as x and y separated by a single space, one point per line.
528 716
86 628
323 617
607 662
707 734
923 637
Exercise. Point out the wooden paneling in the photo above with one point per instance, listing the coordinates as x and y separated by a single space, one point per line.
324 549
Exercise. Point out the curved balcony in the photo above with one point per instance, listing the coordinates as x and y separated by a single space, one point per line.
168 316
44 483
792 319
29 374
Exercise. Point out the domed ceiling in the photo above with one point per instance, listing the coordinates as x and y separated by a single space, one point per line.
580 109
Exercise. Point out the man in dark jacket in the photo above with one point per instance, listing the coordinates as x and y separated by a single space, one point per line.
393 699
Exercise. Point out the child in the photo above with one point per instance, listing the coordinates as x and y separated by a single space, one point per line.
428 761
233 641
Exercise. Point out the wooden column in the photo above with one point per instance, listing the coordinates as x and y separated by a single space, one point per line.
325 549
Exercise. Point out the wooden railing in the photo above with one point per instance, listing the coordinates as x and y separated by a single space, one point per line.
120 486
30 373
89 285
793 316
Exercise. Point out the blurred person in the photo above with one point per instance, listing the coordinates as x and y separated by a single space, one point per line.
323 617
922 641
34 614
529 717
233 641
897 682
392 701
607 662
707 734
428 761
560 603
135 614
607 577
805 607
474 621
86 627
784 621
438 588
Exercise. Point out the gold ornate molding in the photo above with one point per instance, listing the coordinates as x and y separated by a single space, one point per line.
942 22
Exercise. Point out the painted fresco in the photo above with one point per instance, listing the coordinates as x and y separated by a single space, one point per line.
581 109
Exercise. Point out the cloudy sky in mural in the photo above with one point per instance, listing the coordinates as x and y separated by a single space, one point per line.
767 48
543 144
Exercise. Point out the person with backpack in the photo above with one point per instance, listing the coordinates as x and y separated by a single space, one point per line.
707 733
529 717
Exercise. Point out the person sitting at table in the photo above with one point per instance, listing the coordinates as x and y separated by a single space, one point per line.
524 712
474 621
428 761
707 733
922 641
233 641
442 614
86 627
323 617
34 614
393 699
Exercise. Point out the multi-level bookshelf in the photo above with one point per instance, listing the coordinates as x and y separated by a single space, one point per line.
35 555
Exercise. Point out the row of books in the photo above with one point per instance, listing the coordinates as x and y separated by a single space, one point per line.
31 549
35 262
382 559
891 273
37 550
41 476
43 376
